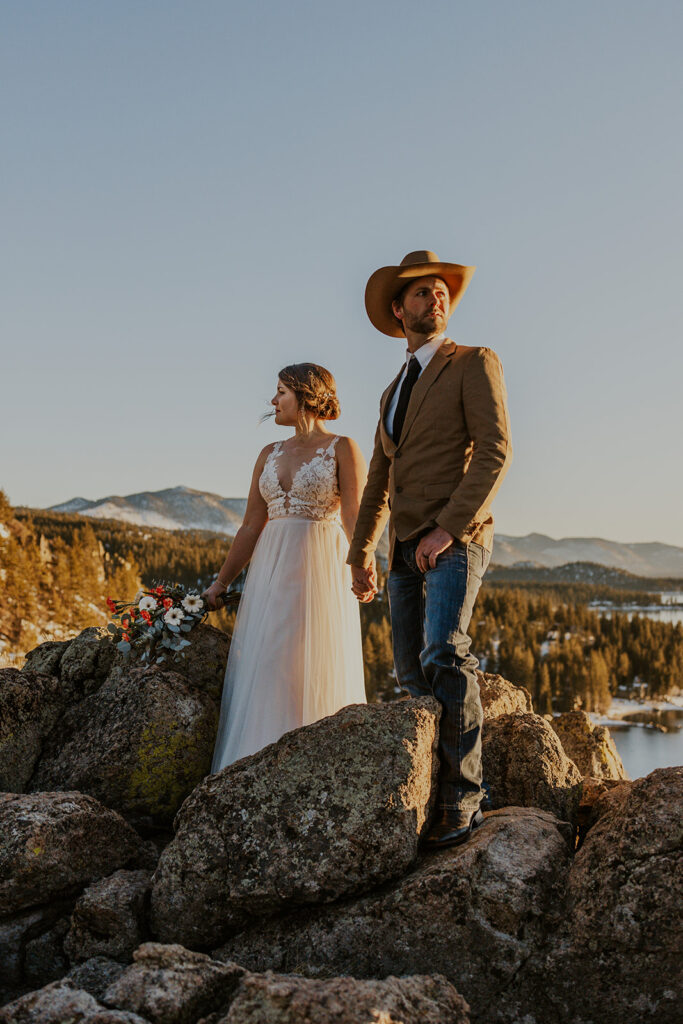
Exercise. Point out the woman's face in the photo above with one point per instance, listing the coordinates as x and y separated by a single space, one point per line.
286 405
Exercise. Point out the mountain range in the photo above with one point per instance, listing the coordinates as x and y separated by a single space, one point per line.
181 508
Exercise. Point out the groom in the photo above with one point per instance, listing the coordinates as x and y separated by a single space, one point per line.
442 448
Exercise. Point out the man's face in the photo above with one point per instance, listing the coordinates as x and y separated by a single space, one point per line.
423 307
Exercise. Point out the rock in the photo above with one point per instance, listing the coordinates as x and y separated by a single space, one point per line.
30 705
140 745
172 985
623 937
96 975
475 914
591 804
501 697
273 999
18 935
109 918
62 1003
52 844
525 765
45 658
330 809
44 957
589 746
87 660
204 663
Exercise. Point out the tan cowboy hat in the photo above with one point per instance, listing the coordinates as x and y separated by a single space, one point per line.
387 282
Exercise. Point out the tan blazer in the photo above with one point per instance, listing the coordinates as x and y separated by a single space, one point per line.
454 452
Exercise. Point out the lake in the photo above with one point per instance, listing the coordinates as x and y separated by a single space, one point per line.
643 749
671 609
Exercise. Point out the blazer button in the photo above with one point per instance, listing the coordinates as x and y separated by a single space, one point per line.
399 490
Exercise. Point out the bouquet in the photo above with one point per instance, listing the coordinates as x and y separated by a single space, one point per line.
156 623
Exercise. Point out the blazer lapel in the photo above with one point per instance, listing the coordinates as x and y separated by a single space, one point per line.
387 439
436 364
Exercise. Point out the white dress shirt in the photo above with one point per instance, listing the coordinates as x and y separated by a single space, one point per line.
423 356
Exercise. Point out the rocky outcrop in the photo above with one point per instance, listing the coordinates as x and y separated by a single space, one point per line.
77 717
290 1000
524 765
328 810
30 706
501 697
140 744
589 746
172 985
109 918
622 936
474 914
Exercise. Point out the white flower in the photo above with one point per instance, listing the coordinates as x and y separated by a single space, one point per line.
174 617
192 603
147 604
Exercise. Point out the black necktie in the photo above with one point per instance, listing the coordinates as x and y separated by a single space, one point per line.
411 376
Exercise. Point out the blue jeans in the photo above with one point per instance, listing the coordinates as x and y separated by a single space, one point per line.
430 614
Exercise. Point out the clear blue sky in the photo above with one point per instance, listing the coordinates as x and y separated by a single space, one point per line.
194 194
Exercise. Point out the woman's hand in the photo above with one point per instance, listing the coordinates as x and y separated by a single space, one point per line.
211 595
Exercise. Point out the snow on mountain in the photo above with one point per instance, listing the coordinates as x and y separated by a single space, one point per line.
177 508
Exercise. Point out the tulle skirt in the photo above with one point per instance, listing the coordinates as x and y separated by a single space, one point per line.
296 651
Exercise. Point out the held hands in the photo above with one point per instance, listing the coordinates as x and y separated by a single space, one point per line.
364 582
431 546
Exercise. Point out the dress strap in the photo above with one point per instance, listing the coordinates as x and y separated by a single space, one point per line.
330 448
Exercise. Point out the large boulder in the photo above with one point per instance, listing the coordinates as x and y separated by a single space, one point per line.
53 844
170 985
109 918
30 706
501 697
279 999
623 936
589 746
140 745
475 914
331 809
524 765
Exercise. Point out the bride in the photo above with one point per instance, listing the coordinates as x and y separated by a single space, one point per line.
296 650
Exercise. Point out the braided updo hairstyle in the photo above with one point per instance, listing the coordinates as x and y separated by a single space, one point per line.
314 387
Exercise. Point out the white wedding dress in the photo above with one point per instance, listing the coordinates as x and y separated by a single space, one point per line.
296 651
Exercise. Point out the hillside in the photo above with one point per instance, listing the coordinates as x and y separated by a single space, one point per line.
181 508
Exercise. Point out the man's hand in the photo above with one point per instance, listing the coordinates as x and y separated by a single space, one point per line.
364 582
431 546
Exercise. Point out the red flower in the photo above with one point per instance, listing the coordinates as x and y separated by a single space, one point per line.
158 590
146 616
126 637
168 602
132 615
110 605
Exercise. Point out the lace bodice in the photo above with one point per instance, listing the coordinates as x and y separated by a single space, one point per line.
314 493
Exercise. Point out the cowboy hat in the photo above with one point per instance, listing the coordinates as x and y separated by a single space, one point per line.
386 283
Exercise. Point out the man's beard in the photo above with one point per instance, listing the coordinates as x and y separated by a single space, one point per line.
428 323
